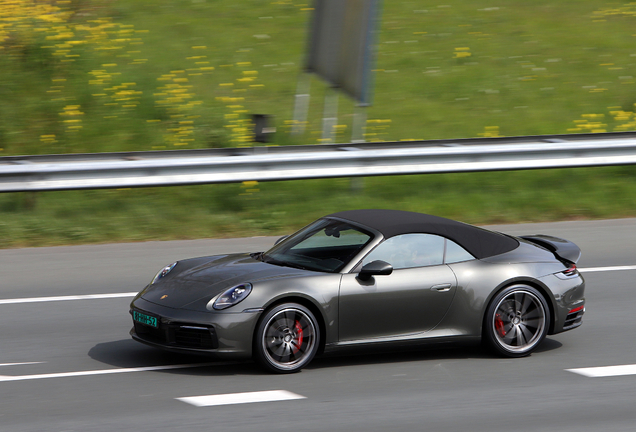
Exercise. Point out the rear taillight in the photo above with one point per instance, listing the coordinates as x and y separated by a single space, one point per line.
570 271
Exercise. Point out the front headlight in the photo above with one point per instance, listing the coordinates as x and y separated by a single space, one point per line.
231 297
163 272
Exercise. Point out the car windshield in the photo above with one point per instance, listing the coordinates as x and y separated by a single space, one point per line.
327 245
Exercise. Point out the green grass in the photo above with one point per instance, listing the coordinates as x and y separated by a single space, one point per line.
179 74
532 68
279 208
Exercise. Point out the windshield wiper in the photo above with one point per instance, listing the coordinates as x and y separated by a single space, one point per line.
298 266
268 259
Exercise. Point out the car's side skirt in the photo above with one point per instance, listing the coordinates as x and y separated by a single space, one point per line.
433 336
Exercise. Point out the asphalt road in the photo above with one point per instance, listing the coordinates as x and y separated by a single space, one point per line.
69 365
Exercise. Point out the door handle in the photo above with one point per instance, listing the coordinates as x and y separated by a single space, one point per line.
441 287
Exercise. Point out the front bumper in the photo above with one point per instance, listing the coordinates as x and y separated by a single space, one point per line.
219 334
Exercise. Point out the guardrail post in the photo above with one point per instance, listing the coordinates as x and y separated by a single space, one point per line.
330 115
359 124
301 106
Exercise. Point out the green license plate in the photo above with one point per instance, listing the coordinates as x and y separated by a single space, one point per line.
145 319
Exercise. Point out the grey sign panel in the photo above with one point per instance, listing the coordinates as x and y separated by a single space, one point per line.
341 44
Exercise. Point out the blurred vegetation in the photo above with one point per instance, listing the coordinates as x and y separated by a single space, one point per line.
106 75
277 208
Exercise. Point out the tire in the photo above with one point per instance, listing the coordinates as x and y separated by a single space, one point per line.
516 321
286 339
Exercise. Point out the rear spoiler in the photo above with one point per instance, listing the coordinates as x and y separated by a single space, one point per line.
563 249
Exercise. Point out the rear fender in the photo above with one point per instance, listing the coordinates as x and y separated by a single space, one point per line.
538 285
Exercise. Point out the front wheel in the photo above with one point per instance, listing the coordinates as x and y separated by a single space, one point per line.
517 321
286 338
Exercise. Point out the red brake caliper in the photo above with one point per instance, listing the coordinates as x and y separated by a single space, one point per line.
299 337
499 325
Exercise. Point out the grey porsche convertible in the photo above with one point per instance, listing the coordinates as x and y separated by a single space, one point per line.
365 278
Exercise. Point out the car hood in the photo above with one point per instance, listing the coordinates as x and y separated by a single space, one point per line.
192 288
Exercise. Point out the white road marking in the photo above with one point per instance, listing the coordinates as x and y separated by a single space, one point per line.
605 371
241 398
606 269
4 378
22 363
66 298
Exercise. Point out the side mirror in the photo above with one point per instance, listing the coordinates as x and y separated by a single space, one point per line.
375 268
280 239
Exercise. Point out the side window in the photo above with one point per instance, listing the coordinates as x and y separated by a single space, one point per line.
409 250
456 253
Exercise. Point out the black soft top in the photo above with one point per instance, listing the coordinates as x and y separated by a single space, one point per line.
480 242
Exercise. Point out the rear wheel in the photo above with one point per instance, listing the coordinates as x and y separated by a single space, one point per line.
286 338
517 321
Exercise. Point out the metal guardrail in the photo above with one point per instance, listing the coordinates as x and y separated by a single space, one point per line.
187 167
